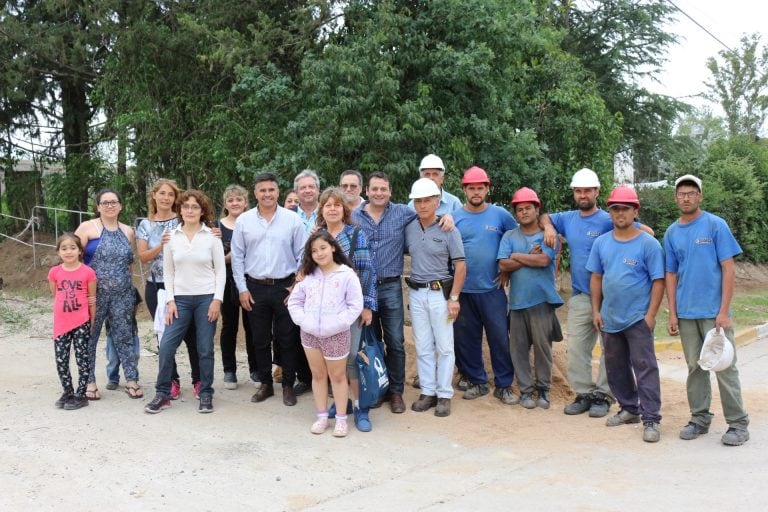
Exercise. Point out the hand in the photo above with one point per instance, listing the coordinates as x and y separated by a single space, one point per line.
299 277
213 310
650 322
290 289
723 320
673 329
502 279
165 238
246 300
453 309
446 222
366 317
216 232
597 321
170 312
550 236
536 249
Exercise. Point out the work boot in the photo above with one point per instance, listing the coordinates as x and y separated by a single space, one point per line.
543 400
526 400
580 405
600 405
692 431
651 432
506 395
623 417
443 408
475 391
424 403
735 436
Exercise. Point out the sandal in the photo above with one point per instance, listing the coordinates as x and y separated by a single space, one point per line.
92 394
134 391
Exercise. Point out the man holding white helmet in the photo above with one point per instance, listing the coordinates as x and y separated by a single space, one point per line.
432 167
581 228
433 297
699 250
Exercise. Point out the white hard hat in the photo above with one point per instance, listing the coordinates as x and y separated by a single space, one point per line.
716 352
431 162
585 178
424 187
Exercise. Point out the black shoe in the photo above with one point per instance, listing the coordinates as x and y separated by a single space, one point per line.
59 404
75 402
579 406
289 396
157 404
543 400
302 387
601 403
692 431
206 404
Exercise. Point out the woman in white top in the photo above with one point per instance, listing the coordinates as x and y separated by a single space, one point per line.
195 274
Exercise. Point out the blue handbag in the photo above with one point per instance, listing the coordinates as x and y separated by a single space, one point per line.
371 369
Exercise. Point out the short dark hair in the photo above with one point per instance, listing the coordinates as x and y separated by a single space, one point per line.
101 193
265 176
352 172
378 174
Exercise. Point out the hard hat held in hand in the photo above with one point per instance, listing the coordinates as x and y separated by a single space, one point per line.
717 352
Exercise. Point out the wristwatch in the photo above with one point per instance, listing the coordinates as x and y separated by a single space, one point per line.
454 298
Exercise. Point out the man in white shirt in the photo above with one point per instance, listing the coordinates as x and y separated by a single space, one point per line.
267 246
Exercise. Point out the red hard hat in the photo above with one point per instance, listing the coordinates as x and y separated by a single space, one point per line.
526 195
475 175
624 195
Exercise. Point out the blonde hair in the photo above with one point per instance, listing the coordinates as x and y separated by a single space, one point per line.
233 190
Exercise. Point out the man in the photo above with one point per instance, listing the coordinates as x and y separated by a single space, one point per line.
432 167
627 285
581 228
267 246
699 250
532 299
307 186
384 224
433 297
481 226
351 183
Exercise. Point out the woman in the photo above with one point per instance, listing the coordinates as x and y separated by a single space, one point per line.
151 235
291 200
235 203
195 276
109 251
333 215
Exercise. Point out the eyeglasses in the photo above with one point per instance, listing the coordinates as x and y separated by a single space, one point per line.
109 203
686 195
190 207
350 185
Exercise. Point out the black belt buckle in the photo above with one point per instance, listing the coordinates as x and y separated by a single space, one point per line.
435 286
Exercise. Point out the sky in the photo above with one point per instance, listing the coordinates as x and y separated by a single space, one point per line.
685 72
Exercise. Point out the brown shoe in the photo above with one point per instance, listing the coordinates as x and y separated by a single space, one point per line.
265 391
396 403
424 403
443 408
289 396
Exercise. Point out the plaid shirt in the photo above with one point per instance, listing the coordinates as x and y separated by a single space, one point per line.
362 264
386 239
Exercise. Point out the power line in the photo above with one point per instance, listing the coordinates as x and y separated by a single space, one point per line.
702 27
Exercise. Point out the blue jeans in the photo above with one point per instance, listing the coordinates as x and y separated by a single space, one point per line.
113 361
388 322
191 309
483 310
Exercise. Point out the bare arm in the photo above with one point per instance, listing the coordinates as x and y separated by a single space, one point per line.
596 294
92 300
531 260
459 274
728 282
550 234
670 284
509 264
657 293
648 230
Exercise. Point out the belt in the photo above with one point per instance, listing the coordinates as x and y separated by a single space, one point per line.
271 282
432 285
387 280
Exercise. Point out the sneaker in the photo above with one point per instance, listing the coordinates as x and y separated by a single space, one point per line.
600 405
157 404
332 409
319 426
476 391
206 404
255 378
506 395
362 421
340 429
526 400
230 380
112 385
416 383
735 436
692 431
75 402
621 418
175 389
424 403
443 408
579 406
196 389
59 404
463 383
543 400
651 432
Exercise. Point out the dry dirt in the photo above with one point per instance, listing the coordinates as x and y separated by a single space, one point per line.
112 454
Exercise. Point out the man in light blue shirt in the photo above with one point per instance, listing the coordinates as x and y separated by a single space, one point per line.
699 250
307 187
267 246
432 167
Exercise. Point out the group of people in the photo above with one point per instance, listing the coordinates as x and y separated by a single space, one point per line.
310 275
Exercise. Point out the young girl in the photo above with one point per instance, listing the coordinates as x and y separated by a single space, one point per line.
324 305
73 285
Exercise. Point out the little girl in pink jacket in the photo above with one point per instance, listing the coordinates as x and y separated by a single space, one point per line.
324 304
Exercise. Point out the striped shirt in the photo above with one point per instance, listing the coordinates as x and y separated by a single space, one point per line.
386 239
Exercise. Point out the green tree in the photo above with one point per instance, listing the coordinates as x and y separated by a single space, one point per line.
739 83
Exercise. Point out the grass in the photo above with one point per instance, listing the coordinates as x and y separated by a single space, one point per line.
13 317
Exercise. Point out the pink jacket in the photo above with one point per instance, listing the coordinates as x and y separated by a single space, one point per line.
326 305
